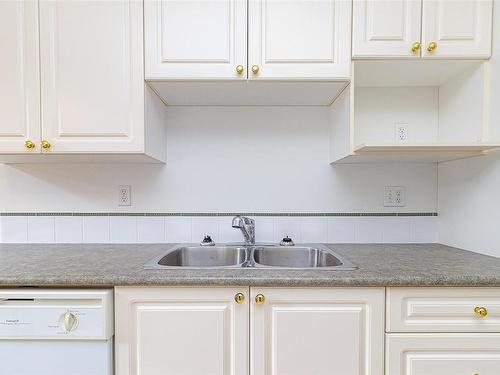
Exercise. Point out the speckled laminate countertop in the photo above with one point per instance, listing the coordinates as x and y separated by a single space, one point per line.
94 265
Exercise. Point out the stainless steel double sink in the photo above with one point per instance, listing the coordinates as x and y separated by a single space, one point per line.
250 256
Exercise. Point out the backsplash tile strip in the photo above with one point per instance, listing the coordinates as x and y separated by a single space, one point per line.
201 214
171 227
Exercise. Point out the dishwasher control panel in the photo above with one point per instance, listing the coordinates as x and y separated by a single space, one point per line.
33 313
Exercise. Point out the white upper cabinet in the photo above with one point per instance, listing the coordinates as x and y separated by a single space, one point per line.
19 78
287 39
457 29
283 52
299 39
196 39
422 28
386 28
92 76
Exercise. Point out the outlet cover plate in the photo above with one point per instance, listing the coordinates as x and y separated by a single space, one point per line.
394 196
401 131
124 195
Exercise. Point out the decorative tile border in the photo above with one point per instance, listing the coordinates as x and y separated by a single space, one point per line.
223 214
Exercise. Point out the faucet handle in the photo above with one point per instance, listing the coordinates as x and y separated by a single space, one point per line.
287 241
207 241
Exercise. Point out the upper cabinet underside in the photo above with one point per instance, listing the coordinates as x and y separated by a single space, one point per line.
306 43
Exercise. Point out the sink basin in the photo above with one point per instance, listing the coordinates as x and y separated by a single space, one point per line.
299 257
256 256
201 257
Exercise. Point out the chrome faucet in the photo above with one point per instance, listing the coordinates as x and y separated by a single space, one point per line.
247 227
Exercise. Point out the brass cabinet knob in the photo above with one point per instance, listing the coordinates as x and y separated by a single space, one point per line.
239 298
240 69
260 299
45 144
481 311
415 47
255 69
30 145
432 46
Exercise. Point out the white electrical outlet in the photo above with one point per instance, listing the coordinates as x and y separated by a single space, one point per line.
401 132
124 195
394 196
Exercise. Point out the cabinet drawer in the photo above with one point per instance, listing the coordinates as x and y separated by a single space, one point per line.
443 310
443 354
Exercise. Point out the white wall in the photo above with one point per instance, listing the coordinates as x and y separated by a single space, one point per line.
469 190
225 159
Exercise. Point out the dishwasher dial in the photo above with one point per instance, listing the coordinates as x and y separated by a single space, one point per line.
68 321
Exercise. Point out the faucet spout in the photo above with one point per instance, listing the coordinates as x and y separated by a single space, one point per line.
247 227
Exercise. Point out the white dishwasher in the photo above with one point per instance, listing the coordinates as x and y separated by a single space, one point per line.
56 332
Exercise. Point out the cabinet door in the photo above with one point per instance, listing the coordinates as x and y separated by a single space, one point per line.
299 39
317 331
459 29
386 28
19 78
92 76
173 331
443 354
195 39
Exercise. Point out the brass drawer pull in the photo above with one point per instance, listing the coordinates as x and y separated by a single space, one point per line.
481 311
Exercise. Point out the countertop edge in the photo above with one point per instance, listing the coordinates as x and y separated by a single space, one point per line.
244 282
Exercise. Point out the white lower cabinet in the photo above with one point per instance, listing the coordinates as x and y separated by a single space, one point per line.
443 331
443 354
292 331
317 331
172 331
306 331
443 310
